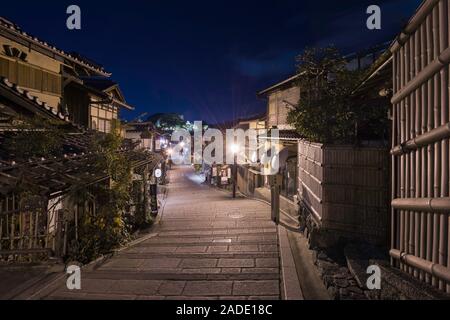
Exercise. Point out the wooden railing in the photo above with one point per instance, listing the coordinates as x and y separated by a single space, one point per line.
27 231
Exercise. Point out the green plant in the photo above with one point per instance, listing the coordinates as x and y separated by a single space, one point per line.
105 228
325 112
35 137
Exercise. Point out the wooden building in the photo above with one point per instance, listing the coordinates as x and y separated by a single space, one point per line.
281 99
143 133
67 84
76 97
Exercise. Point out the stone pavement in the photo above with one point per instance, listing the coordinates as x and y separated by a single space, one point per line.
207 246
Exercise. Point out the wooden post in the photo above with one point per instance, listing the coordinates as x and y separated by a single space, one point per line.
219 175
59 239
275 182
234 176
145 201
154 196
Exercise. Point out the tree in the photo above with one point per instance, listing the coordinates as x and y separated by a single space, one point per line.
324 113
168 121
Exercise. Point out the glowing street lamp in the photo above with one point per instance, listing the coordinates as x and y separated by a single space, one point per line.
234 148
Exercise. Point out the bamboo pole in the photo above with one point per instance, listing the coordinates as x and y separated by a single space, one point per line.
437 270
410 135
448 177
423 169
417 158
443 44
407 137
402 157
399 159
393 160
437 147
430 171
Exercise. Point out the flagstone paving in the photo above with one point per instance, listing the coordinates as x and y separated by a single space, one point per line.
207 246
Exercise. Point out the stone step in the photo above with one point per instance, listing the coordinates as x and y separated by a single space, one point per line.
181 243
209 230
172 289
210 255
268 227
182 274
193 234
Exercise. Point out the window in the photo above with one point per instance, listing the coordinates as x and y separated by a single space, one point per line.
30 77
101 118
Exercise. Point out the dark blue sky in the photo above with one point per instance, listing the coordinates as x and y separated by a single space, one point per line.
205 59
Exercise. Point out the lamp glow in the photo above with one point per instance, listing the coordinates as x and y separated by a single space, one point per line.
234 148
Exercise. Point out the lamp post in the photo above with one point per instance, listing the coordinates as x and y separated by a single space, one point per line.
234 149
169 156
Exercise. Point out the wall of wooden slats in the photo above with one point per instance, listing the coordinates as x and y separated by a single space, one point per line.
345 188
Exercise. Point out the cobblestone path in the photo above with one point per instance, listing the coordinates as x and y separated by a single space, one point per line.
207 246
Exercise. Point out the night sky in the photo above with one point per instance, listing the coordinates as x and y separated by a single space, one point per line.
205 59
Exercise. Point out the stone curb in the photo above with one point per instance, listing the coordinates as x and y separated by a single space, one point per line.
291 289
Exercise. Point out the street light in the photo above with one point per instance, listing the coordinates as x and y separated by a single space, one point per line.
235 149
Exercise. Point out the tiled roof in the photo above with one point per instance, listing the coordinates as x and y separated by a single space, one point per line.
26 95
40 107
100 84
15 29
287 82
139 127
57 175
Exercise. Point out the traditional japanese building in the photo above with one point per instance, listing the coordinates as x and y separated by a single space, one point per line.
281 98
72 100
66 84
144 134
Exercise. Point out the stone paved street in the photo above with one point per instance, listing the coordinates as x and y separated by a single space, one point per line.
207 246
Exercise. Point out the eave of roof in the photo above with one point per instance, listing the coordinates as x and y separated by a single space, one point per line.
64 171
10 27
278 85
31 103
284 135
106 96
